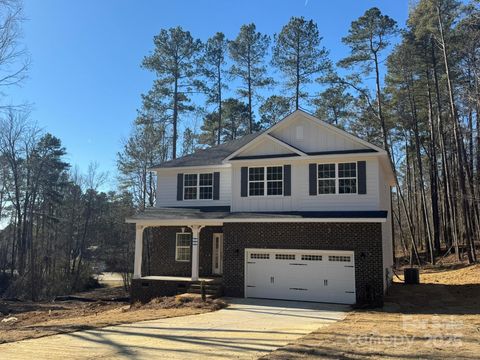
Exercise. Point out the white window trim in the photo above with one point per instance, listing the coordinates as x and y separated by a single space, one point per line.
183 247
337 178
198 186
265 181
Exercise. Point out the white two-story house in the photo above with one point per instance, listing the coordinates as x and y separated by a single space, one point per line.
300 211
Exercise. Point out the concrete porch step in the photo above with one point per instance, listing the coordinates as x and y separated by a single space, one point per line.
207 286
212 289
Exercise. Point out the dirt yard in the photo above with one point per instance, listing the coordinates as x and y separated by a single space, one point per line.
27 320
438 319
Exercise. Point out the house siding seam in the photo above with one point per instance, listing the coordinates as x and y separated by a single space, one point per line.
365 239
161 240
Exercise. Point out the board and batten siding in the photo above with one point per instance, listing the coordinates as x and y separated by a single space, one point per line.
310 137
300 200
265 147
167 188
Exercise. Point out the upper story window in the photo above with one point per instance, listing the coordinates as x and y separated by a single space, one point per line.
337 178
198 186
265 180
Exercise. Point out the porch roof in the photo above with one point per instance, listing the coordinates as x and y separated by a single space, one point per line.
217 216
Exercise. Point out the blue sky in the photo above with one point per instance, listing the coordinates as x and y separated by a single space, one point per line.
85 80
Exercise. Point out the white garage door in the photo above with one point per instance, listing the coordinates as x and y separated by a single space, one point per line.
303 275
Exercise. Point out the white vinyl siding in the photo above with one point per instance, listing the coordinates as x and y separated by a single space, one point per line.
300 200
167 188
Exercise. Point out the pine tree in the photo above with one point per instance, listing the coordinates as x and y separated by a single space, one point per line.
367 38
298 55
236 119
274 109
175 61
248 52
335 105
209 130
214 71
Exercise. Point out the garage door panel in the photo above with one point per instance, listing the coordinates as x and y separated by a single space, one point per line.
303 275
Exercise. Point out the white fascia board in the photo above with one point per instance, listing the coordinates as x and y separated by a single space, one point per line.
175 222
201 167
220 222
306 220
308 158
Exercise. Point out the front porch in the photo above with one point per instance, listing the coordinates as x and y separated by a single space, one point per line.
176 259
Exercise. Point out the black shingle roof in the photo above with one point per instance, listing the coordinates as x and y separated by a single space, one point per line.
223 213
210 156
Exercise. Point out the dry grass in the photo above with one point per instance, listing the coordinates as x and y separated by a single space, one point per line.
36 320
438 319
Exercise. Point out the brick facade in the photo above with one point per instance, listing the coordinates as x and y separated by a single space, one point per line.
365 239
160 260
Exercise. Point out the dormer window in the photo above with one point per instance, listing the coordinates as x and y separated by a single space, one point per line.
265 180
198 186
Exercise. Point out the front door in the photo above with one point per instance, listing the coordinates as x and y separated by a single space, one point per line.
217 265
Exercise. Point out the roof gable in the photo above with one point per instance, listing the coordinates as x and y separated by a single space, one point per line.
306 135
210 156
281 140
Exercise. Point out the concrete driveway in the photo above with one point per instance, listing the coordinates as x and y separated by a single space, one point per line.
247 329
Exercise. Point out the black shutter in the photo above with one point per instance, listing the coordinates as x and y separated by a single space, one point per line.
312 179
244 181
362 177
216 186
287 180
179 187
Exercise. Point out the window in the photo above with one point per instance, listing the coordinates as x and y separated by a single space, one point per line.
312 257
339 258
190 186
256 181
259 256
198 186
347 178
284 256
206 186
326 178
182 247
337 178
269 178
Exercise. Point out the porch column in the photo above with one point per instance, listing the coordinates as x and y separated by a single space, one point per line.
137 266
195 253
